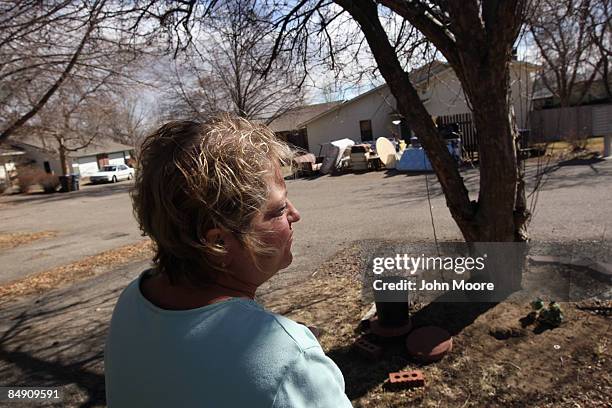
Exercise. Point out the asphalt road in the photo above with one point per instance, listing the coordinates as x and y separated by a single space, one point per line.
574 203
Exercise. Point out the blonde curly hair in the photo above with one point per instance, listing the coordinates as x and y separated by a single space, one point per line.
192 177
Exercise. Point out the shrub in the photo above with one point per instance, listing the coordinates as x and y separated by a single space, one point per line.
28 177
49 182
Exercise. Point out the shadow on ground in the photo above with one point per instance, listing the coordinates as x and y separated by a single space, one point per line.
58 340
88 190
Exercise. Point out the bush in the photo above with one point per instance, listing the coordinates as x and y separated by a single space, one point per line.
49 182
28 177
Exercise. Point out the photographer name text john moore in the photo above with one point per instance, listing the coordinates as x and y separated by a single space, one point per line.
405 284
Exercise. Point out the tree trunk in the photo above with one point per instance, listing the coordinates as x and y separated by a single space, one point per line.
480 59
63 160
497 156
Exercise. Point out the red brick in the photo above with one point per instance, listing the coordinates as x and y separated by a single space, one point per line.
368 349
406 379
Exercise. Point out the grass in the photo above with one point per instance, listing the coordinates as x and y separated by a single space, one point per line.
76 271
593 144
10 240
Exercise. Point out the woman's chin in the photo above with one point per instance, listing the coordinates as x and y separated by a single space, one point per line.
287 261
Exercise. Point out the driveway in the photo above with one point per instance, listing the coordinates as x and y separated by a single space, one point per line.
573 204
95 219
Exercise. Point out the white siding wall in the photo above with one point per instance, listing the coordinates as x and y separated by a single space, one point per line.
444 97
344 122
447 98
40 158
521 86
87 165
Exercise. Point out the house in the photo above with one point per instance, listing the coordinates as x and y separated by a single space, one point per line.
289 126
583 93
9 157
90 159
373 114
43 154
588 113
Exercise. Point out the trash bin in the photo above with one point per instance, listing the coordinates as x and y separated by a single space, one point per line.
74 182
64 183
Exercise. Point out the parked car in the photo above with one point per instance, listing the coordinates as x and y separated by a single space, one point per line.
112 173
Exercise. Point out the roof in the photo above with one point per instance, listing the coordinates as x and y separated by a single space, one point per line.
11 151
417 77
596 89
94 148
99 147
296 117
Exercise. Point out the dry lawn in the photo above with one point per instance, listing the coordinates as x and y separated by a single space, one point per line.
564 148
570 366
10 240
76 271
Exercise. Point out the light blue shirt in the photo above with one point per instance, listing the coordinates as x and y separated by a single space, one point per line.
229 354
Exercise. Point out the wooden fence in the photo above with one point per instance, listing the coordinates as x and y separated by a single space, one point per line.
576 122
467 130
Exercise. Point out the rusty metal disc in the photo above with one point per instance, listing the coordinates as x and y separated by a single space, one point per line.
389 331
429 344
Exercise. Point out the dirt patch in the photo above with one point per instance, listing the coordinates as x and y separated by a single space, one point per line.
10 240
76 271
498 357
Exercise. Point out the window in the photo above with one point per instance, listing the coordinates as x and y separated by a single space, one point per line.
365 126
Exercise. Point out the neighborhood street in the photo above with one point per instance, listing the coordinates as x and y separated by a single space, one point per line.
59 335
573 205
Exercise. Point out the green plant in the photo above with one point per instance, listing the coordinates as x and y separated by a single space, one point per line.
537 304
551 315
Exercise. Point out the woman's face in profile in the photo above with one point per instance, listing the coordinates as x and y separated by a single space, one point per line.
273 226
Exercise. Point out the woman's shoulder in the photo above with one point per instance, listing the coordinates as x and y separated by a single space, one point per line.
236 315
281 328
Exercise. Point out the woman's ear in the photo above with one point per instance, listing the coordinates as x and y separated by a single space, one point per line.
225 241
215 236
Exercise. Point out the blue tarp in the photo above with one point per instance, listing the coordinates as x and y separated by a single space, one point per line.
415 159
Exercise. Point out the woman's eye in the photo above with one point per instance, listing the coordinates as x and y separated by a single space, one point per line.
281 211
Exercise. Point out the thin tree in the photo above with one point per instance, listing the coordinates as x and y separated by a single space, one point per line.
82 114
43 44
566 35
601 35
223 71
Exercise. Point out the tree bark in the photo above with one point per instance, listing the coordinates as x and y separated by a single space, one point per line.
63 159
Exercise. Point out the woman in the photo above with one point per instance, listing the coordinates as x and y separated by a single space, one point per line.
188 333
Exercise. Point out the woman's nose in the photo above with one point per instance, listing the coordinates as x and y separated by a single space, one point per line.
293 214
